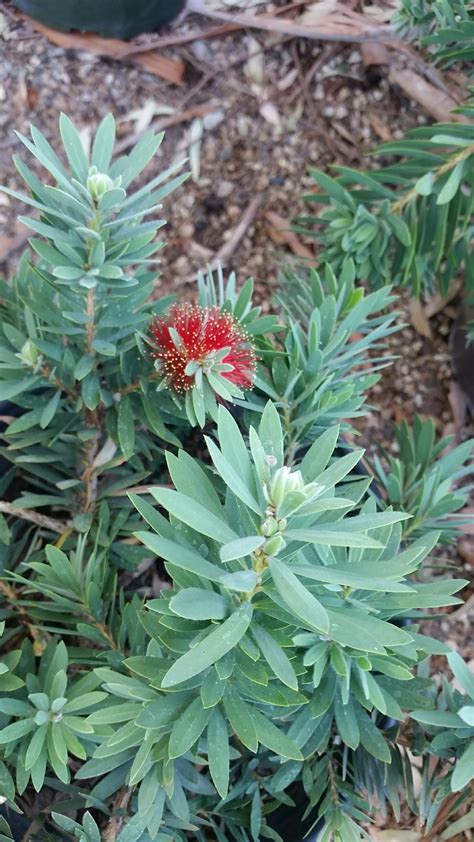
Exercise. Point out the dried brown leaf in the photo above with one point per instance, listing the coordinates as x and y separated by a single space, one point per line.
170 69
280 232
419 319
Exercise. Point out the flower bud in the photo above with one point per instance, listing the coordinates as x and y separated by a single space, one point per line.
274 545
285 480
98 183
29 353
269 527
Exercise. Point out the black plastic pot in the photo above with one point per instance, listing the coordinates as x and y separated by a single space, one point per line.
109 18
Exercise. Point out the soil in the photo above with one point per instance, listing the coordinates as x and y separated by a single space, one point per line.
274 112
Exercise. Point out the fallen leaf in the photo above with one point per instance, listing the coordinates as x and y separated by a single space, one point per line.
280 232
269 112
418 318
436 103
170 69
254 68
380 128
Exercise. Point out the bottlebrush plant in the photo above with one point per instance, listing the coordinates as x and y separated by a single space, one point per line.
273 669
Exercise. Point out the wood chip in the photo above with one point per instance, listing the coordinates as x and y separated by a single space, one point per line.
170 69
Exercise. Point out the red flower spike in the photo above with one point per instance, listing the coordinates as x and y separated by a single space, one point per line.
192 338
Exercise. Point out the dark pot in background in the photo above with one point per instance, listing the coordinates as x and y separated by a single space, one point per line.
109 18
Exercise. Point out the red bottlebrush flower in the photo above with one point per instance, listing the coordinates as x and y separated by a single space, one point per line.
192 340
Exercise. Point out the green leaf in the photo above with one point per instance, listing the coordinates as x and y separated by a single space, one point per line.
256 816
275 657
212 689
126 427
4 530
270 434
90 391
298 598
199 604
107 349
233 447
50 410
188 728
371 738
462 673
241 547
181 556
16 730
84 367
36 746
220 641
352 627
346 722
349 575
243 581
464 769
240 718
103 146
218 751
74 149
193 514
11 389
274 739
231 477
451 186
319 454
438 718
424 185
467 714
332 538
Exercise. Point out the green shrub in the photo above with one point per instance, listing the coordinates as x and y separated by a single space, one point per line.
275 662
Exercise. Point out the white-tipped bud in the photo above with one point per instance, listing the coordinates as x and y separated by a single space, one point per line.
284 481
98 183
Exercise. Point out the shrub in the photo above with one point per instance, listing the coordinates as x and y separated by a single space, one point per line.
274 668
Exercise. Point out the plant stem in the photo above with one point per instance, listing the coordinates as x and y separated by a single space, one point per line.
91 447
411 195
35 517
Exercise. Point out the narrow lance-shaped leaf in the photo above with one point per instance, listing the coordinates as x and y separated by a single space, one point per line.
214 646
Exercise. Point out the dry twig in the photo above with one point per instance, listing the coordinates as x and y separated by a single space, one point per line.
44 521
